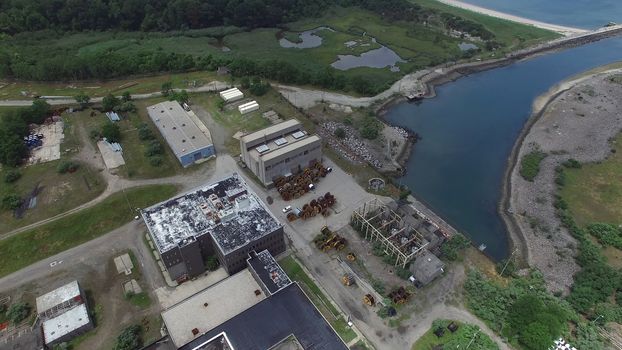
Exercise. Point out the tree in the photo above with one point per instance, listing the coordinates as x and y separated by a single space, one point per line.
18 312
181 96
129 339
83 99
12 175
451 248
38 111
167 87
144 133
212 263
154 148
109 102
11 201
111 132
126 97
340 133
536 337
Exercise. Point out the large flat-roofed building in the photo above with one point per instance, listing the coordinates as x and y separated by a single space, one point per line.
261 308
224 218
63 314
282 149
185 134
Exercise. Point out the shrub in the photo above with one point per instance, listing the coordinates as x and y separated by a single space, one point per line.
11 201
67 166
111 132
607 234
572 163
340 133
18 312
129 339
212 263
530 165
144 133
125 97
371 127
154 148
109 102
12 176
95 135
127 106
155 161
451 248
403 273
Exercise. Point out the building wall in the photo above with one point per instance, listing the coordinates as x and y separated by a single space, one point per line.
292 162
193 258
236 260
190 158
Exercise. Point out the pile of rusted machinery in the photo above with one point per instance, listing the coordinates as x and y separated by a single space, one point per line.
295 186
311 209
328 240
399 295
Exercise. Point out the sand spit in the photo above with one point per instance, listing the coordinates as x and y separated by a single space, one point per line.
567 31
575 119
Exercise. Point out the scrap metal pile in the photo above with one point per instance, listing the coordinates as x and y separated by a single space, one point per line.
292 187
311 209
328 240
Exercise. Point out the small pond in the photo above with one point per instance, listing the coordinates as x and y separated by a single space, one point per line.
308 39
378 58
464 46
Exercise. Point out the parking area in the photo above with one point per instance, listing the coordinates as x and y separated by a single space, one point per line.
51 140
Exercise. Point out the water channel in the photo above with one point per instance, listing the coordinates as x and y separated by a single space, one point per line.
469 129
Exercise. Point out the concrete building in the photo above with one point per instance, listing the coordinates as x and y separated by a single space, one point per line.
248 107
63 313
426 268
282 149
185 134
262 308
225 219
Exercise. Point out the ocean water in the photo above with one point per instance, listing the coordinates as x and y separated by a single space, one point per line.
468 132
589 14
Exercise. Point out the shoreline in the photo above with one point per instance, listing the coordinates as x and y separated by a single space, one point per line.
565 30
517 238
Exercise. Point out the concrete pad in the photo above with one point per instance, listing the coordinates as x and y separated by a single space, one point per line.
168 297
124 264
132 286
52 138
111 158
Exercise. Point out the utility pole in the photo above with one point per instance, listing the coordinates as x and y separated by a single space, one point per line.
472 339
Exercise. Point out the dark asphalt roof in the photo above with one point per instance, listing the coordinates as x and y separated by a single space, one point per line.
287 312
268 270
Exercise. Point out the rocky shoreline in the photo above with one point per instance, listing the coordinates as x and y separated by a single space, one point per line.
574 120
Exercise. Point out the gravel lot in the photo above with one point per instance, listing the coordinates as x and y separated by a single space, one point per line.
577 124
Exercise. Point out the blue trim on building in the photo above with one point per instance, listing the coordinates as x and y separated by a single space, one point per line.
189 159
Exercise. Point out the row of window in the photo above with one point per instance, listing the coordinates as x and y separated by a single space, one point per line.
287 160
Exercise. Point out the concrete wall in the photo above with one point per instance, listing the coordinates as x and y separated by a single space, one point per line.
189 159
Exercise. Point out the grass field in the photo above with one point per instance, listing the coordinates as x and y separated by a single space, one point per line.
461 338
594 192
296 273
31 246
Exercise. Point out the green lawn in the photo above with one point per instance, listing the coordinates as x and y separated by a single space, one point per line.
458 340
296 273
140 300
594 192
31 246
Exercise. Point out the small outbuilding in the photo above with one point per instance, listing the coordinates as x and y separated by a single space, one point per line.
426 268
248 107
231 95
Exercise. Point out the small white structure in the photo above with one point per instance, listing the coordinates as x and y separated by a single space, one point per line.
63 314
248 107
231 95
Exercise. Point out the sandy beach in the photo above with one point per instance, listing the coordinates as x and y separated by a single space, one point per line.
567 31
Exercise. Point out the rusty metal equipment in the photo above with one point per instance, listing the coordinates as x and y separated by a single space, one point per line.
399 295
347 279
351 257
328 240
368 299
295 186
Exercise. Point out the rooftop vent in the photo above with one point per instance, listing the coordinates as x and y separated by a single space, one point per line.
184 140
183 124
195 331
193 137
174 128
257 292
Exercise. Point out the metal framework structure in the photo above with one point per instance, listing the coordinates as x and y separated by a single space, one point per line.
377 222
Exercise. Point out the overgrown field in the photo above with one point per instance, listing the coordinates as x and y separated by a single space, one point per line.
31 246
467 334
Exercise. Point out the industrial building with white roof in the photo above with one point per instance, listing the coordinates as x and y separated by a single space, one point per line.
185 134
63 313
224 218
283 149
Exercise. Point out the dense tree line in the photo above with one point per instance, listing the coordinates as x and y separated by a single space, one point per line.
14 126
